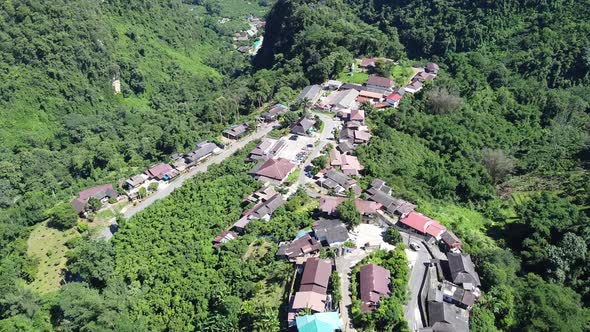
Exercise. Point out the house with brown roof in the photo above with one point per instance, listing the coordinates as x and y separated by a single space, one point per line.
374 284
264 210
361 137
371 96
162 172
101 193
311 93
450 241
432 68
379 83
273 170
235 132
303 127
368 62
274 112
316 274
357 115
136 181
413 87
303 246
337 182
350 165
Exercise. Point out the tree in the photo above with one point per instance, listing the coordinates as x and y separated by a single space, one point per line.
78 306
153 186
93 261
349 214
441 101
392 236
383 68
549 307
497 163
62 217
142 192
319 163
94 204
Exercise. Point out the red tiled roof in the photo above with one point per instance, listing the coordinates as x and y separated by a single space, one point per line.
394 96
381 105
277 169
328 204
367 207
368 62
160 170
423 224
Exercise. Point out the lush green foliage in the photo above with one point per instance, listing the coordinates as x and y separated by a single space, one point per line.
389 316
349 214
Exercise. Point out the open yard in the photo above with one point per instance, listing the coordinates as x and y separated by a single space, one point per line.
357 77
401 74
47 245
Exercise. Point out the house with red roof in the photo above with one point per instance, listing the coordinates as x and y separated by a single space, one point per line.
379 83
357 115
161 171
394 99
423 225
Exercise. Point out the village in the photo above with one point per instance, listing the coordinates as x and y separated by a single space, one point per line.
443 285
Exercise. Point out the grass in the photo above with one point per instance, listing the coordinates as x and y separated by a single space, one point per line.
47 245
257 250
293 176
356 78
401 75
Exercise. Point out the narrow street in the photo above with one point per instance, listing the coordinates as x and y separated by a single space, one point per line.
411 310
329 124
215 159
344 265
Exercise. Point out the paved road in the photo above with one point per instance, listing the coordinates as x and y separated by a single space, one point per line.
411 310
329 124
216 159
344 265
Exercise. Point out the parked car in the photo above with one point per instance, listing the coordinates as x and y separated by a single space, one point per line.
414 246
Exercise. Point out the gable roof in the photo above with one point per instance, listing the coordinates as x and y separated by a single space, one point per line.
302 126
380 81
269 206
342 98
276 110
362 135
277 169
423 224
312 300
374 283
345 147
394 96
357 115
368 62
462 269
450 239
370 94
443 316
310 92
98 192
303 245
237 130
316 272
330 230
161 170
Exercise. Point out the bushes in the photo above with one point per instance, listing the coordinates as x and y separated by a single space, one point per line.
62 217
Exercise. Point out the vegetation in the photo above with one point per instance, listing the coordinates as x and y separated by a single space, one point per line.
349 214
389 315
392 236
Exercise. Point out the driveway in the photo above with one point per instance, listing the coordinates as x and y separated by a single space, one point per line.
215 159
344 265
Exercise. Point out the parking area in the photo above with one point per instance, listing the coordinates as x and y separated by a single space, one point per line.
296 145
370 235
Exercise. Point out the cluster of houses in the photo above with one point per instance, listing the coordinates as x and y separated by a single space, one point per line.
379 91
243 38
159 173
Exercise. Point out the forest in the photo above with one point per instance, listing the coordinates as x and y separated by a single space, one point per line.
497 149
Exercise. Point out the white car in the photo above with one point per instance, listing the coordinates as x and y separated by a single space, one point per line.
414 246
